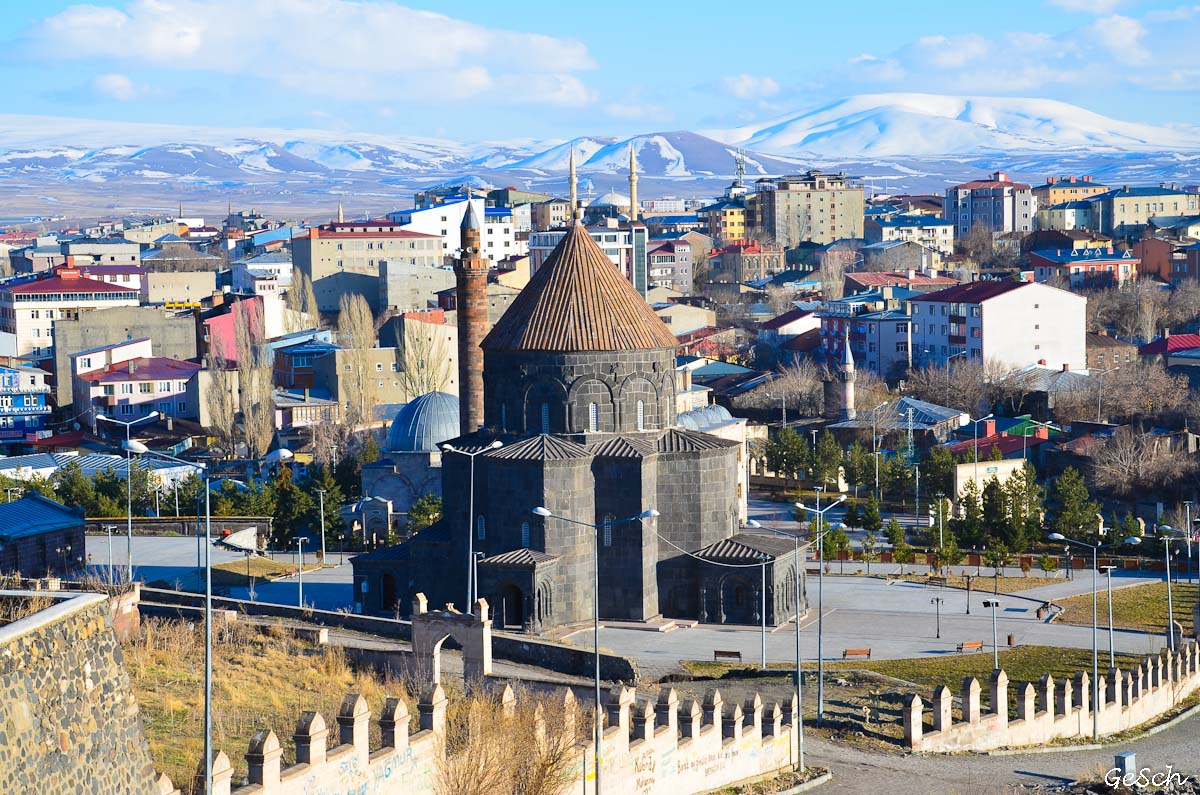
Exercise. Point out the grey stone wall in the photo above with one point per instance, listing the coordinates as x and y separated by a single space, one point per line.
628 555
697 496
69 723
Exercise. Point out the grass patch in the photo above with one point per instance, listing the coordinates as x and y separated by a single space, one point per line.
257 567
1138 607
987 584
259 680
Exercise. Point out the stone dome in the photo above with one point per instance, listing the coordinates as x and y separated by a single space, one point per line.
424 423
611 199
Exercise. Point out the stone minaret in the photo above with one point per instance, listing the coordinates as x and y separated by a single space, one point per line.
574 191
633 202
471 272
341 215
846 374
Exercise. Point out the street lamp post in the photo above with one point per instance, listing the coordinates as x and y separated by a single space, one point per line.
546 513
819 512
321 498
1187 506
109 528
975 423
471 516
940 497
937 611
993 604
300 568
1170 602
1025 436
1100 391
1112 655
875 442
1095 548
128 482
763 611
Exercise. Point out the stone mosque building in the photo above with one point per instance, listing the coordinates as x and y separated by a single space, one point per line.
577 383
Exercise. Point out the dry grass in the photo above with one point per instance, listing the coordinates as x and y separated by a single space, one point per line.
1139 607
259 680
242 572
13 608
988 584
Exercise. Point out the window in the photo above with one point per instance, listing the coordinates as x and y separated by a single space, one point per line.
164 386
379 367
164 408
146 387
641 415
593 417
126 408
480 528
545 418
525 534
607 530
107 389
126 389
181 408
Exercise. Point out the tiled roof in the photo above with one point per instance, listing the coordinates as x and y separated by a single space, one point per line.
519 558
747 548
34 515
621 447
785 318
971 293
144 369
578 301
80 284
871 279
542 448
1171 344
676 440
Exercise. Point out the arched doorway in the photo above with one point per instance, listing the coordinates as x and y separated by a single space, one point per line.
738 601
388 596
512 607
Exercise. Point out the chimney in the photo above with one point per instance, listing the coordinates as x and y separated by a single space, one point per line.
989 428
471 272
911 274
1066 367
1072 179
1051 180
1042 362
1087 178
1041 432
131 366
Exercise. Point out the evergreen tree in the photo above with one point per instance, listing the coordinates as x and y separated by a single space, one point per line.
1129 527
872 520
292 504
321 478
994 515
948 553
424 512
852 518
938 471
787 454
968 525
895 532
73 488
370 452
997 556
903 554
1075 515
858 466
869 546
995 454
834 544
827 459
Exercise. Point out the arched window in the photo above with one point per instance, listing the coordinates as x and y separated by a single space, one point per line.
525 534
593 417
606 529
480 528
545 418
641 415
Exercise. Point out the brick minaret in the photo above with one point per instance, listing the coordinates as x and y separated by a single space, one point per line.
471 272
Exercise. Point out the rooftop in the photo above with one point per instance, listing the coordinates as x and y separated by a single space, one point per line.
34 515
972 293
143 368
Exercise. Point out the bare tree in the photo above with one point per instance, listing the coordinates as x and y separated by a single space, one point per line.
255 383
425 361
356 334
220 402
833 278
1133 463
959 386
799 386
780 299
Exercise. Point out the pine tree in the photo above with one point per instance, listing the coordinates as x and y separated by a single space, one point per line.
787 454
1129 527
834 544
852 518
321 478
895 532
948 553
292 505
938 471
424 512
1075 516
994 515
903 554
859 468
827 460
872 520
968 525
73 488
869 545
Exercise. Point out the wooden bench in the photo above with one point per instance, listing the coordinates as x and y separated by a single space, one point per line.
731 656
938 581
848 653
970 645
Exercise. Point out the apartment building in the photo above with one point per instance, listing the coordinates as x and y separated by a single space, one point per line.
1125 211
101 251
814 206
549 214
671 264
997 204
30 305
126 382
1065 216
926 230
23 405
344 257
1085 267
626 245
1057 190
497 238
1013 324
724 221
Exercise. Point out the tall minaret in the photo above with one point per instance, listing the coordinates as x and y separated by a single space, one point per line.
574 191
341 216
846 374
633 202
471 272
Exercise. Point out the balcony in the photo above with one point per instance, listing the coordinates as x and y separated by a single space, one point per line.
23 411
957 340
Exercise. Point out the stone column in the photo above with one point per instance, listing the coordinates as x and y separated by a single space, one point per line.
943 702
913 726
970 700
1027 703
393 723
998 696
262 761
1130 690
620 700
310 736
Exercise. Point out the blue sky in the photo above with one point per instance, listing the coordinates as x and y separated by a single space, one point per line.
532 68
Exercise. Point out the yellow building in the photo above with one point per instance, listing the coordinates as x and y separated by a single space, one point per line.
724 221
1066 189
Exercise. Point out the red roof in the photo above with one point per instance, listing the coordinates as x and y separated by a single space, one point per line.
990 183
869 279
1171 344
785 318
68 280
1007 444
971 293
144 368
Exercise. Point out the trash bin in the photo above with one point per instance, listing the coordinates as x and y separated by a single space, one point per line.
1012 639
1041 613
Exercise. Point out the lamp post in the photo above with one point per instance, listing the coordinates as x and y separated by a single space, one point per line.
1112 655
1025 436
975 423
875 442
546 513
471 516
300 568
128 482
1170 602
993 604
321 498
1095 548
109 528
940 497
819 512
1187 506
1100 391
937 611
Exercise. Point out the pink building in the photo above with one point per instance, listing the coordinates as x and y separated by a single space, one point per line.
126 382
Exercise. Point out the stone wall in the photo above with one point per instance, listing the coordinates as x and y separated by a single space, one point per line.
69 722
1049 710
661 748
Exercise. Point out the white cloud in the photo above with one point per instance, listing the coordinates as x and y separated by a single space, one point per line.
638 111
749 87
1088 6
1122 36
351 49
115 86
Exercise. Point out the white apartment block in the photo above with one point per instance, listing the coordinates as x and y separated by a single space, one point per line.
927 230
30 305
1012 324
497 238
671 265
997 204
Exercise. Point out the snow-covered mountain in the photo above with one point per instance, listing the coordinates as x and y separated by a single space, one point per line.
929 125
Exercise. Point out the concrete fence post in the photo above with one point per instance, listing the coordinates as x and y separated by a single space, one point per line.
732 723
393 723
164 786
431 711
569 708
753 710
354 726
792 710
643 721
1113 687
222 774
1027 702
1046 694
713 708
508 701
998 696
1138 672
620 700
667 708
263 761
773 721
1082 696
1130 692
970 700
310 736
943 703
914 726
1065 704
693 719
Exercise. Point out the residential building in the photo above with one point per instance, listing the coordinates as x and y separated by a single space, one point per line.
1011 324
1165 257
497 238
625 244
997 204
900 255
41 538
1193 259
1048 239
342 258
274 268
404 287
724 221
341 373
1085 267
1057 190
101 251
1104 351
1169 345
30 305
295 412
511 197
668 224
130 276
549 214
880 342
791 323
293 365
174 254
1175 226
499 298
813 206
683 318
862 281
929 231
1125 211
127 382
1066 216
670 264
23 405
746 262
178 288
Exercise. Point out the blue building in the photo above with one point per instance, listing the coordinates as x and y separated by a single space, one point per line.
23 405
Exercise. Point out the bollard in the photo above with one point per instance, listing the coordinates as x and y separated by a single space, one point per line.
1126 764
1012 639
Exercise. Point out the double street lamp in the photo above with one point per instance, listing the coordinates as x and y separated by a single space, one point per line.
472 585
546 513
128 482
1095 548
819 513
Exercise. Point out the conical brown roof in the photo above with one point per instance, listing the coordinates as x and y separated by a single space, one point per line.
578 301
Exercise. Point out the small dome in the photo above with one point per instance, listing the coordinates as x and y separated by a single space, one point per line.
611 199
424 423
705 417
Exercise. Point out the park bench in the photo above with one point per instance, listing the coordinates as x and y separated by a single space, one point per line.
848 653
970 645
731 656
938 581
